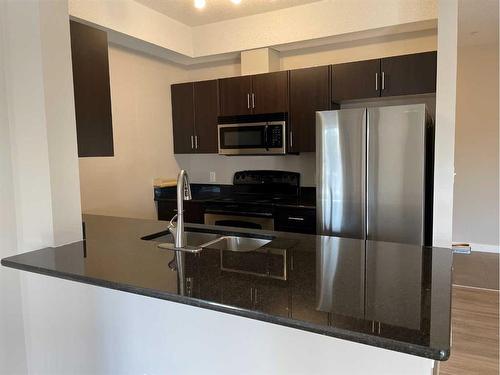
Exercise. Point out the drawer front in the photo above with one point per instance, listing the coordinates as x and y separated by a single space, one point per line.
300 220
166 210
193 211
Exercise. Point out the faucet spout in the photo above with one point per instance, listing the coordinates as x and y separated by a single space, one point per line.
183 193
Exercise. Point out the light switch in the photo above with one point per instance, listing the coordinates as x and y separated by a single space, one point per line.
213 177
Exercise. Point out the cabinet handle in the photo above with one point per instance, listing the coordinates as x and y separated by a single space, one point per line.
248 101
376 81
383 80
196 142
192 142
253 100
256 301
291 139
295 218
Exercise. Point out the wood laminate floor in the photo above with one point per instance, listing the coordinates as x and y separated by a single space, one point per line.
476 269
475 318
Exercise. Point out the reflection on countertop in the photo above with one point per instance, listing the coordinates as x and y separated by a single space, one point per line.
383 294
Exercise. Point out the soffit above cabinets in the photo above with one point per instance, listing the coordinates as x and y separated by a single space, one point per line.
217 10
132 24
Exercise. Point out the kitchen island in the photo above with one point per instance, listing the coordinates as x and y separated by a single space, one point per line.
335 303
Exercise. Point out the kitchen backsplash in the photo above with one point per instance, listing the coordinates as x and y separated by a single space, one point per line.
201 166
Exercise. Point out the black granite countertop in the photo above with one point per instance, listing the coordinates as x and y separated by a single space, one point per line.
387 295
206 193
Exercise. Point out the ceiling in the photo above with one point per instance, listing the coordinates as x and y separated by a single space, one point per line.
217 10
477 22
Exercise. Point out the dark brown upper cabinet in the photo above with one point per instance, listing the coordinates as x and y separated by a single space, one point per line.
409 74
309 92
257 94
392 76
356 80
206 106
235 96
89 56
269 93
183 117
194 117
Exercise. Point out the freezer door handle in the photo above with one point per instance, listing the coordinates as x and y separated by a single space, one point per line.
364 173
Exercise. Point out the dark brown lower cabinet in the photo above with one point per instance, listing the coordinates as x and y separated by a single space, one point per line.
193 211
295 219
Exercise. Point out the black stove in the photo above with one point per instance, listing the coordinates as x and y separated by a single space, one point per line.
263 187
254 194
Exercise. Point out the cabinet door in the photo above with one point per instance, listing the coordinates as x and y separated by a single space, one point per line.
89 54
409 74
193 211
309 92
183 118
166 209
235 96
270 92
297 220
205 116
356 80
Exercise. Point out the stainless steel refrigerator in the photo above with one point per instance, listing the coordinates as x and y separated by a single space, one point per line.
374 172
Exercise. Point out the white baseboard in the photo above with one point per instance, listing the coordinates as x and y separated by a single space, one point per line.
485 248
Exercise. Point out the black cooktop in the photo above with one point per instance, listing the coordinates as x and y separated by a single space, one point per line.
263 187
256 199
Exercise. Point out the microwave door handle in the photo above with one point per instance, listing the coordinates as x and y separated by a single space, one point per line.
266 145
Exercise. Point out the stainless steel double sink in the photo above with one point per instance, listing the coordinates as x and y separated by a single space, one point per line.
204 240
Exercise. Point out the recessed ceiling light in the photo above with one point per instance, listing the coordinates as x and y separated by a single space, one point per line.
200 4
236 1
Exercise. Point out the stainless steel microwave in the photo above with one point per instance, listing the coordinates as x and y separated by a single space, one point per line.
257 138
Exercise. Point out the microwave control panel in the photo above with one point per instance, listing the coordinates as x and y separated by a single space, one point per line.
276 136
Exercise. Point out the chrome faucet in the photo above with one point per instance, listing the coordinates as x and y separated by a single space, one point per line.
183 193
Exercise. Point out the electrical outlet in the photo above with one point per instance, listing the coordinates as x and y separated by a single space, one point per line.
213 178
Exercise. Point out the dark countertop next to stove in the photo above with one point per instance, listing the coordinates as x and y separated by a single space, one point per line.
387 295
205 193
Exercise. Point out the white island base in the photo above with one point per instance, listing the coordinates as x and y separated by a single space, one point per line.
74 328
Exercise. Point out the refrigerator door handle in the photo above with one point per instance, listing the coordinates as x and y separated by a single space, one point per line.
364 171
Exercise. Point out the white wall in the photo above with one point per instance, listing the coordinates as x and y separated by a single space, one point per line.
12 347
475 207
200 166
39 178
445 122
142 135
